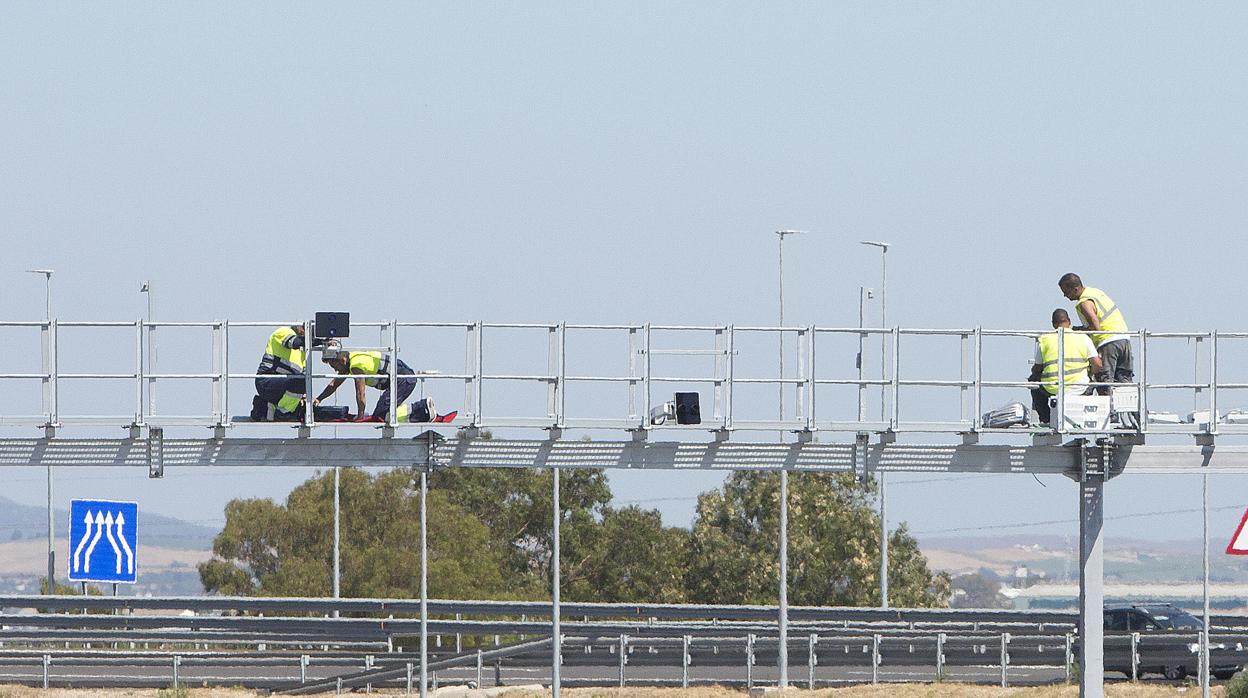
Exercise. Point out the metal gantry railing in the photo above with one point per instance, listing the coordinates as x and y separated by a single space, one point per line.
645 384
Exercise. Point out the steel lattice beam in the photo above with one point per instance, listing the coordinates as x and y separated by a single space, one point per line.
558 453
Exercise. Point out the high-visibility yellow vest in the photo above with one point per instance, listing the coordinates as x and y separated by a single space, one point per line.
283 354
1075 364
371 362
1107 314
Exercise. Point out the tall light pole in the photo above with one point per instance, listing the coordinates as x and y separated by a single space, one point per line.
883 247
782 659
47 315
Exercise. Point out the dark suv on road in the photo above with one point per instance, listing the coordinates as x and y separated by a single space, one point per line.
1169 642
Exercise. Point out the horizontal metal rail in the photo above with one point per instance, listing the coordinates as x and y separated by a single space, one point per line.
641 376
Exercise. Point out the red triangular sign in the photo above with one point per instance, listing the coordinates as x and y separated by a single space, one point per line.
1239 541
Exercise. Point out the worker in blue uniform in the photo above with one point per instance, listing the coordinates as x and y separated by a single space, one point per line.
280 379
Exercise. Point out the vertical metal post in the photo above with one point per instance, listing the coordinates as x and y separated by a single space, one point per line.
645 377
303 668
478 352
632 371
962 377
47 665
863 294
730 369
459 637
1005 659
391 413
1061 380
53 370
883 544
407 690
811 660
684 662
177 661
139 409
337 535
1204 553
1213 382
1142 377
480 666
1070 659
749 661
556 639
308 418
1091 587
979 378
782 655
895 419
623 657
1135 656
151 350
875 658
561 402
811 424
424 581
940 656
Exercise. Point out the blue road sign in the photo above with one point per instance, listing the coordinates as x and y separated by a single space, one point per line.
103 541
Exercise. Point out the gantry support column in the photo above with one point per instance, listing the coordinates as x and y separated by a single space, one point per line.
1092 573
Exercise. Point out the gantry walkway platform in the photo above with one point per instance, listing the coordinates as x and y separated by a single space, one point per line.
537 385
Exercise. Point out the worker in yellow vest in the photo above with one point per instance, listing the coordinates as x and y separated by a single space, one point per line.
1074 355
374 366
280 377
1103 318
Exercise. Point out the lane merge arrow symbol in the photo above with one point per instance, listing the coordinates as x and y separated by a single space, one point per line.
121 537
82 543
99 529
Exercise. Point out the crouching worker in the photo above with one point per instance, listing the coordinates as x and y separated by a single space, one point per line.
280 377
374 362
1080 359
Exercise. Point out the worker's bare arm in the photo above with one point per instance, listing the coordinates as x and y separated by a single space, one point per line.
1095 365
1088 310
329 390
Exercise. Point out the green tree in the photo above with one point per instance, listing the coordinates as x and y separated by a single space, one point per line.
515 505
634 558
272 549
833 545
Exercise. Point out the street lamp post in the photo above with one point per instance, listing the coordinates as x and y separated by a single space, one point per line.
883 247
47 316
782 660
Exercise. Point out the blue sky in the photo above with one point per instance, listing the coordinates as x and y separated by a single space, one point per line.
628 162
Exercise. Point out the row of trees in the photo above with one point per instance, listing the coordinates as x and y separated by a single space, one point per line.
490 538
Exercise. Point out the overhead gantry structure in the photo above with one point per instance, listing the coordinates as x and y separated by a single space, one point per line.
584 387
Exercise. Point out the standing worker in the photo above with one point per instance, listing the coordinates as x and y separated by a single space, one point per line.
1102 317
280 377
378 365
1077 358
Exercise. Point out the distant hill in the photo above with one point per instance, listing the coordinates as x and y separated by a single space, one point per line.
21 522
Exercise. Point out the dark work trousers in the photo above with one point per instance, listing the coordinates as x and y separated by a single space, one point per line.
273 388
1117 367
406 386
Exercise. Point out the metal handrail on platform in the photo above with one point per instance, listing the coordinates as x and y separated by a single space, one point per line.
645 383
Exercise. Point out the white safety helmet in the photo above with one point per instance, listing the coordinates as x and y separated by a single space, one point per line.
331 350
